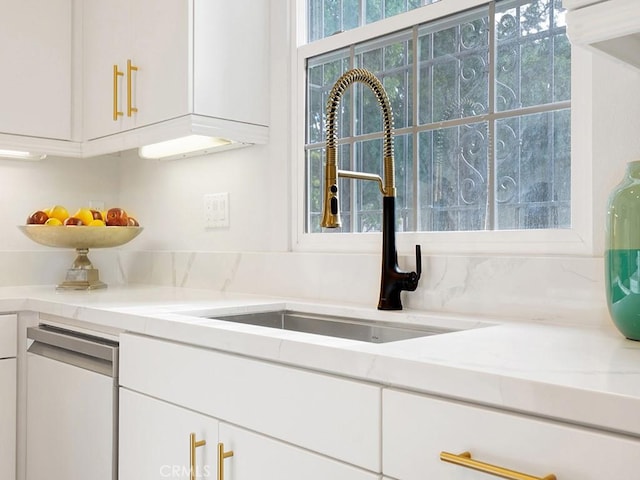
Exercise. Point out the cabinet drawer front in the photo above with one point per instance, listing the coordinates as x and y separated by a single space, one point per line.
8 335
417 428
330 415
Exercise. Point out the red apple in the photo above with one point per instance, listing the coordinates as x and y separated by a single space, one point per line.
117 217
73 221
37 218
133 222
96 214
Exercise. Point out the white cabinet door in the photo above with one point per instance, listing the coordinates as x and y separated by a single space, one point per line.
160 49
8 418
259 457
8 335
66 406
154 37
35 54
106 39
416 429
231 60
155 440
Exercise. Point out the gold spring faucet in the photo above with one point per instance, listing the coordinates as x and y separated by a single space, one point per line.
393 280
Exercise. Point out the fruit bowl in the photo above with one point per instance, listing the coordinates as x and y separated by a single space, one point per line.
82 275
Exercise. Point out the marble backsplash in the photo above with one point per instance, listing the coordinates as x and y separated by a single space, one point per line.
566 290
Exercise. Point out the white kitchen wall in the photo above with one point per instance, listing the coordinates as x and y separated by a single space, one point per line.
28 186
254 254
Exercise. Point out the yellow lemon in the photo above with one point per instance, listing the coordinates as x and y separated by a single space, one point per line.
85 215
59 212
103 213
96 222
53 222
47 211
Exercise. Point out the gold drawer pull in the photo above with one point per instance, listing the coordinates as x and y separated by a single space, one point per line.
130 108
465 460
221 456
116 73
192 457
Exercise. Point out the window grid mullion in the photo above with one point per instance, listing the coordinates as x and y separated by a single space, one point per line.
492 167
552 119
414 134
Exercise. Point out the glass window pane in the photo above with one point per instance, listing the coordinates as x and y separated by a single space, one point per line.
332 18
322 73
405 190
533 171
314 188
453 69
454 181
510 171
350 14
529 42
369 200
561 68
327 17
391 62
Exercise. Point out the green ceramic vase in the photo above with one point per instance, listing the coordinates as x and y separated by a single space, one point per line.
622 253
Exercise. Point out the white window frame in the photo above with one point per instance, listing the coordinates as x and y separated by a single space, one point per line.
577 240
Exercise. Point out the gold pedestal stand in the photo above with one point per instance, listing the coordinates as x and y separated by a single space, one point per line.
82 275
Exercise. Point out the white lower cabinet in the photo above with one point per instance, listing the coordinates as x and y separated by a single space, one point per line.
157 438
417 430
325 414
8 395
8 418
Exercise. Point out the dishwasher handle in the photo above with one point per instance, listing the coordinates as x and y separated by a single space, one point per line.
85 351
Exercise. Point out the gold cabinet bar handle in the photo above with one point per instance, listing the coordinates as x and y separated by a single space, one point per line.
192 457
116 74
130 108
221 456
464 460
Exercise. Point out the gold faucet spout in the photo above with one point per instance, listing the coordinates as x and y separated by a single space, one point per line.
331 208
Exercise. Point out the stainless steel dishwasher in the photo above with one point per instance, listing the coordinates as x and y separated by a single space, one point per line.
72 405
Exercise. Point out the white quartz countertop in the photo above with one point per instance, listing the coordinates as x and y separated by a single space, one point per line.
585 375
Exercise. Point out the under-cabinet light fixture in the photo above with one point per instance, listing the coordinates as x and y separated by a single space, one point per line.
183 147
22 155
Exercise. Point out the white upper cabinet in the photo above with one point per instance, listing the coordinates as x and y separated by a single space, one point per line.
610 26
36 59
136 63
149 62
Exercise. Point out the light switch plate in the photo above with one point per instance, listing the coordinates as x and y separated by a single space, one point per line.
216 210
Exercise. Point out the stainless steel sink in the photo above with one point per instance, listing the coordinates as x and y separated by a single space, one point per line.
334 326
